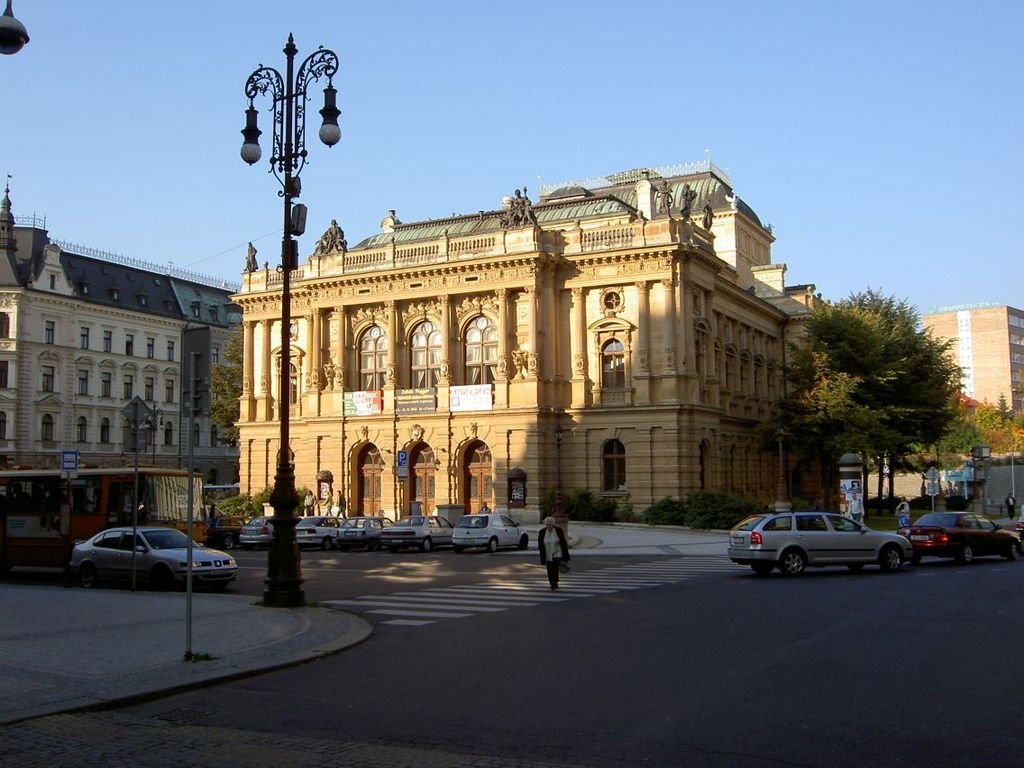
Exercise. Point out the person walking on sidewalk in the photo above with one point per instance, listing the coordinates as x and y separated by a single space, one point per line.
1011 506
554 550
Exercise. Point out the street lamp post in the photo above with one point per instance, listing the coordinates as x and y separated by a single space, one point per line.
560 517
782 502
284 576
13 34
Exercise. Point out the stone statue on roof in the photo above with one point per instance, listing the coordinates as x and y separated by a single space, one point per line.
709 216
332 240
665 198
251 265
689 195
520 211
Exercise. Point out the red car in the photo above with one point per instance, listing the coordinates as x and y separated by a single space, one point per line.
961 535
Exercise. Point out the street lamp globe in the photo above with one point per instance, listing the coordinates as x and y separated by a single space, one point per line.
13 35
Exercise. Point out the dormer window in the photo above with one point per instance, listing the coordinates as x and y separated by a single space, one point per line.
214 314
53 282
83 288
142 299
115 294
195 309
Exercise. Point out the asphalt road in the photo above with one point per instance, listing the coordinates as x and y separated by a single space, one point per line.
720 668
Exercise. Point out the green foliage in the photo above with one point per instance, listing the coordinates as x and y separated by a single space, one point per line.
226 388
237 506
583 504
702 510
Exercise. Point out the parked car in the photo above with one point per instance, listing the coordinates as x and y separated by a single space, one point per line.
792 541
160 555
363 532
423 531
491 531
961 535
321 531
223 532
258 532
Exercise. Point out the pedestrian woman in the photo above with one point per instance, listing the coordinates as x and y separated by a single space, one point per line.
554 549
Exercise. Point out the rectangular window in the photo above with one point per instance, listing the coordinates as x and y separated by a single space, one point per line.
148 389
129 344
215 355
108 341
83 382
129 387
105 380
84 338
150 348
49 332
47 378
170 350
3 373
168 391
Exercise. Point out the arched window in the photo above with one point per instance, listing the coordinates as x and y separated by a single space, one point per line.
613 466
105 431
293 385
373 358
5 325
168 433
47 428
3 425
613 365
426 356
81 430
481 351
195 435
213 437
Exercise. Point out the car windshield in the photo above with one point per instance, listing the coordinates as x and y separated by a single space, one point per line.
473 522
358 523
169 539
412 522
940 519
748 524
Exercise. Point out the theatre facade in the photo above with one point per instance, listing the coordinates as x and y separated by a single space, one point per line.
624 335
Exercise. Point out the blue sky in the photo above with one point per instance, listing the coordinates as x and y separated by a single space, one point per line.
880 139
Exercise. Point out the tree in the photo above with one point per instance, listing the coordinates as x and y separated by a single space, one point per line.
866 380
226 387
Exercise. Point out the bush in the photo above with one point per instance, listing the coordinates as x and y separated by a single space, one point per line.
702 510
665 511
582 504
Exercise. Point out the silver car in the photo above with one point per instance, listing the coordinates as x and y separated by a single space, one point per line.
491 531
258 532
422 531
160 557
792 541
363 532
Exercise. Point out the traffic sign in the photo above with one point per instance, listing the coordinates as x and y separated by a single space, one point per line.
68 461
402 465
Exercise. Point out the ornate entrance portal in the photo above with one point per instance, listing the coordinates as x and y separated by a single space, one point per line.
371 468
479 478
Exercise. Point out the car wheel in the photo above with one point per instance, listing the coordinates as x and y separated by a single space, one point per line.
492 545
793 562
1011 552
856 567
327 543
915 558
457 548
524 541
891 558
762 569
966 554
426 545
228 543
161 578
87 575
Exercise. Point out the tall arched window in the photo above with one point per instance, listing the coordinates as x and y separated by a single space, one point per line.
81 430
105 431
613 466
373 358
168 433
47 428
481 351
426 355
3 425
195 435
213 438
5 325
613 365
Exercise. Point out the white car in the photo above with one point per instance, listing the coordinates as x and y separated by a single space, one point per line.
491 531
160 557
322 531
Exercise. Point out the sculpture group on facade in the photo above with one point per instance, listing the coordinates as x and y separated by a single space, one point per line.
332 240
520 211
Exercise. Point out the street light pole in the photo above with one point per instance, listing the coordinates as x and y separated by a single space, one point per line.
782 502
561 518
284 575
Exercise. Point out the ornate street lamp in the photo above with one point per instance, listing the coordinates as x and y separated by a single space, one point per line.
560 517
782 502
284 576
13 34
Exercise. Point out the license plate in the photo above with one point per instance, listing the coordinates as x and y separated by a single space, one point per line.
919 537
738 540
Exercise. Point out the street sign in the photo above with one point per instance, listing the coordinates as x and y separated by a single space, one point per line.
402 465
932 481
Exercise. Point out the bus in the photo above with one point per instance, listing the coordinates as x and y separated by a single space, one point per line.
42 512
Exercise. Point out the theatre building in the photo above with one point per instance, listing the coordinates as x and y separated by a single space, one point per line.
623 335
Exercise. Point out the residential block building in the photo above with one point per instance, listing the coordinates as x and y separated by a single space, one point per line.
988 344
624 335
82 335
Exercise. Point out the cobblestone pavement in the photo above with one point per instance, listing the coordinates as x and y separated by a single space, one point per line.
177 740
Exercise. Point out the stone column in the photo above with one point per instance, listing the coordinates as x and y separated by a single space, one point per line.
579 346
670 352
642 369
264 397
533 358
247 412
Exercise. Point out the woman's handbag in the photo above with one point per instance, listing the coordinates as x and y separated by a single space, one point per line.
563 566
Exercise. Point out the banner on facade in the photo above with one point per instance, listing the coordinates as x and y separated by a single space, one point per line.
364 403
415 400
475 397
